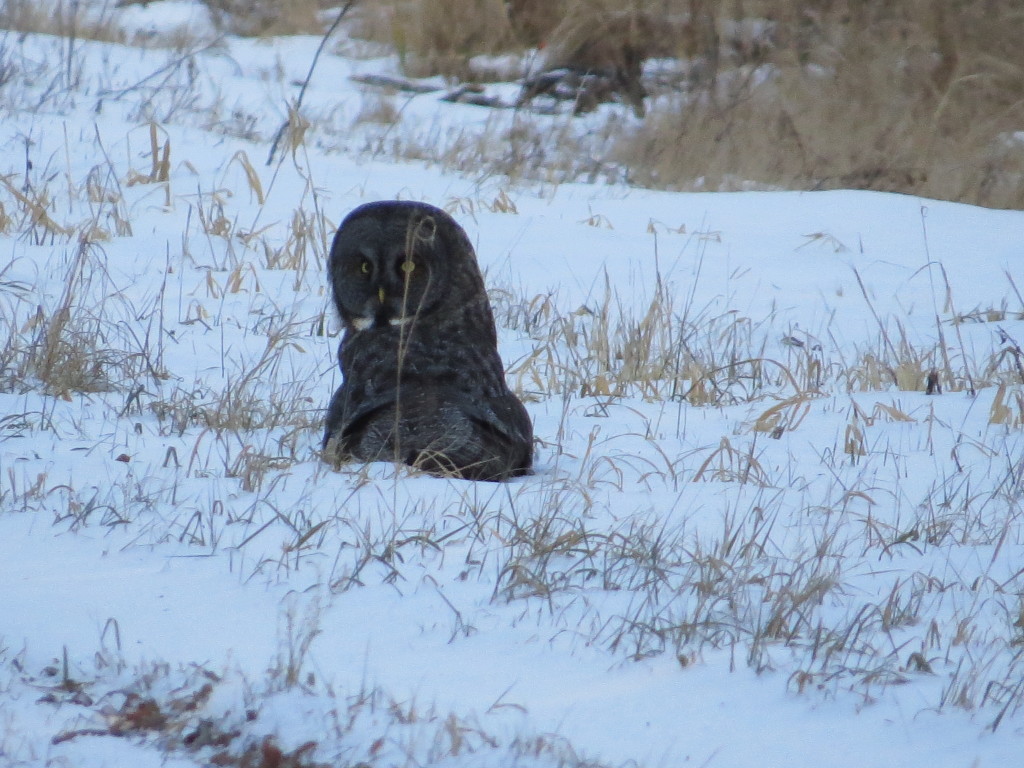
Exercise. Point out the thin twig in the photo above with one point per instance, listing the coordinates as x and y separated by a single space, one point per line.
881 325
309 76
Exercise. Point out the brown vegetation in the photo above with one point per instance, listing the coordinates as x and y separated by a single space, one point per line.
907 97
437 36
267 17
917 96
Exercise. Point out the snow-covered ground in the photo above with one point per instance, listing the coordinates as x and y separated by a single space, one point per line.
761 544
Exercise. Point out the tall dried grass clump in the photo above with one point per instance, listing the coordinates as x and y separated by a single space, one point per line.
70 20
605 44
533 20
911 96
86 342
442 36
436 37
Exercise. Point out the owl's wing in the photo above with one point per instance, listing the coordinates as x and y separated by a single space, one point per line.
344 421
503 439
505 415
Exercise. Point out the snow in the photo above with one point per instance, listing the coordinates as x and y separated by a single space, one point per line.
398 619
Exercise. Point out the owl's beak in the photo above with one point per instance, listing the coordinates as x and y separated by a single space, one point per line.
380 295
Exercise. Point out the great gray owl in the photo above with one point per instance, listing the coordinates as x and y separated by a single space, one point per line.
422 380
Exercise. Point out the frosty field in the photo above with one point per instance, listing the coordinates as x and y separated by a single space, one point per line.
751 536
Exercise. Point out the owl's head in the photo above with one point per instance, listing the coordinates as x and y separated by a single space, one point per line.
395 261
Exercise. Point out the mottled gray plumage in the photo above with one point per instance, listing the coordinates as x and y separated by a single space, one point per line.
422 379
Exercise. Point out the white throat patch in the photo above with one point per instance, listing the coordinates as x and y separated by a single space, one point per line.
364 323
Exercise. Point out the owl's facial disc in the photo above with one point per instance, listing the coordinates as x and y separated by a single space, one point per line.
390 277
391 298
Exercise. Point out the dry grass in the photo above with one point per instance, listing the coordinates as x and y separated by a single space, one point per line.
265 18
91 340
673 352
909 97
199 715
425 37
77 21
901 97
912 96
68 20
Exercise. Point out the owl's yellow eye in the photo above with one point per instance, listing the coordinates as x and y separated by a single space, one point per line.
408 266
365 267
